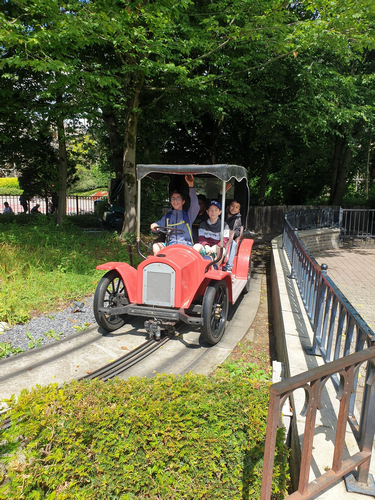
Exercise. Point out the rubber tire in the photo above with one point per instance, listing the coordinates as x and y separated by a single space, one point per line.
105 294
213 328
247 286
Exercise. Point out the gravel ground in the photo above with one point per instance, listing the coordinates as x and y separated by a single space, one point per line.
50 328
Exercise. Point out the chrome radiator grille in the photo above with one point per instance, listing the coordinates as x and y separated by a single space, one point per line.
158 285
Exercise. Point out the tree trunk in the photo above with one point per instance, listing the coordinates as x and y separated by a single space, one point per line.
340 171
63 172
368 167
339 141
129 173
114 140
343 176
264 177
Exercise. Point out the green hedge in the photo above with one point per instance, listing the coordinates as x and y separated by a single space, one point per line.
10 186
168 437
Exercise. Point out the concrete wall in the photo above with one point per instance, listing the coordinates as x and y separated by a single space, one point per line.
278 291
317 240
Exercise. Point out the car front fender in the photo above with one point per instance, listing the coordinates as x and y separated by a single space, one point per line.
128 275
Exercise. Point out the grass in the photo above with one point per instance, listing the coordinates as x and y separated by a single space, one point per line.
43 266
87 193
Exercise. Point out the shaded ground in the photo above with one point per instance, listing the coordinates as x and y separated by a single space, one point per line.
259 344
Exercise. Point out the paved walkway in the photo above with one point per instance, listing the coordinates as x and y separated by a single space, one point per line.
353 271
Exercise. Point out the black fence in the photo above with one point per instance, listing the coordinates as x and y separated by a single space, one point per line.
357 226
270 219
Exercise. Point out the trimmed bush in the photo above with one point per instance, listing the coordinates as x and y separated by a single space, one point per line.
169 437
9 186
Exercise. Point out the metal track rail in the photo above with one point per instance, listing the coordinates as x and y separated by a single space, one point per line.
131 358
119 365
116 367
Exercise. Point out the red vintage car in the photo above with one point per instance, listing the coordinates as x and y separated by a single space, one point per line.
178 284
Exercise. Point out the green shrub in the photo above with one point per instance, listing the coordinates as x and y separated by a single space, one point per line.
163 438
9 185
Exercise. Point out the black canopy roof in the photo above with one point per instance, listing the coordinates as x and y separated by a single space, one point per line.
222 171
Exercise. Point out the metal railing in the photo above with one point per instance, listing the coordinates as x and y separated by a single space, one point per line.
357 226
339 333
313 218
75 205
336 324
313 382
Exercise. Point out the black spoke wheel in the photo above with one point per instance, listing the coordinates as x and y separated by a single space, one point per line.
110 292
215 312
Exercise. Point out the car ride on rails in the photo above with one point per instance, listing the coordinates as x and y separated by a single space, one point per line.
178 284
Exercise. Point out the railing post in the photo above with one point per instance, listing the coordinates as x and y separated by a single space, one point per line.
269 447
77 205
318 321
284 231
313 382
292 275
344 397
308 437
364 482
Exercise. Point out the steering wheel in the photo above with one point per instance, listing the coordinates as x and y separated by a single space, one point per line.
168 230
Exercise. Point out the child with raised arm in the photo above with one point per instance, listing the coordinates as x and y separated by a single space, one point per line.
209 232
179 218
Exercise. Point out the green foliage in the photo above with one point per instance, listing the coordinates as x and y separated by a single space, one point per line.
51 334
154 199
239 368
224 81
90 163
42 265
6 349
166 437
84 220
81 328
9 185
86 182
358 197
33 342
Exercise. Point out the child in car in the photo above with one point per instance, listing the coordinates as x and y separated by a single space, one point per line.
202 215
234 221
179 218
209 232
